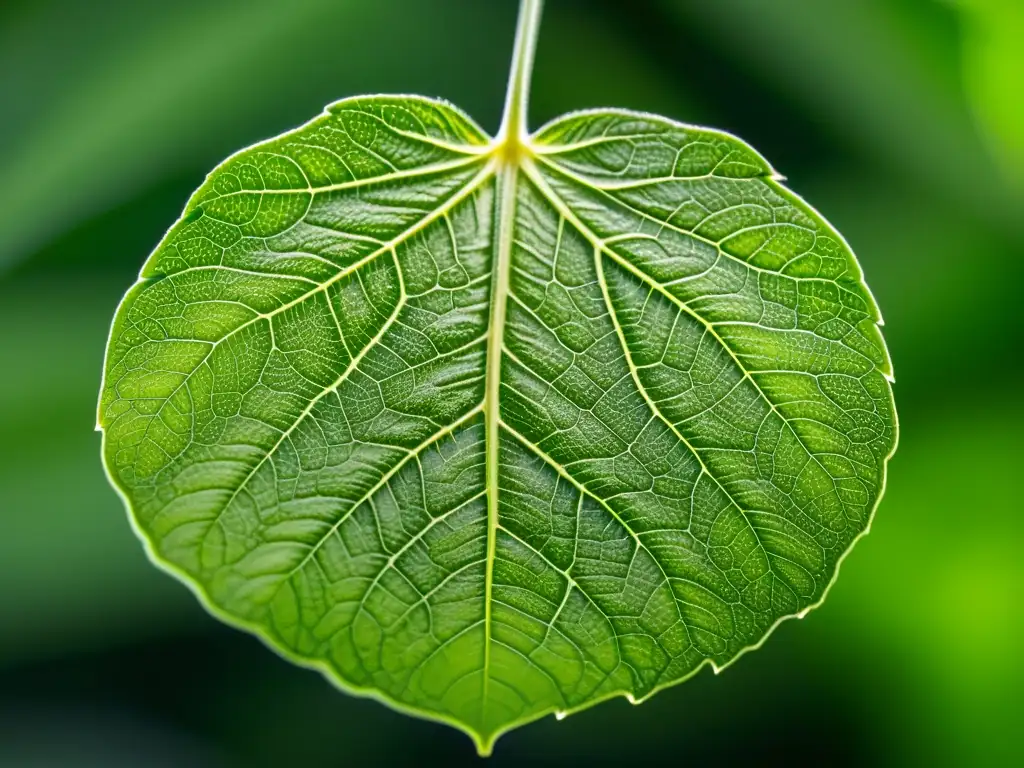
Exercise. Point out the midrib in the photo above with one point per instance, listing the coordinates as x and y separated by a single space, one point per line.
510 143
508 174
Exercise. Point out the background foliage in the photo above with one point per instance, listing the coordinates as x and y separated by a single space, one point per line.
901 120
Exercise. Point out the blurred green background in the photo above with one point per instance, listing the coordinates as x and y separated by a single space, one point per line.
901 120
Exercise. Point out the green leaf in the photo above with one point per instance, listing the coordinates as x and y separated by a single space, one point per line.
494 428
993 68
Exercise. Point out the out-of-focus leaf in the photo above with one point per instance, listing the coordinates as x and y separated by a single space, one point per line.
115 104
994 74
73 574
951 537
867 72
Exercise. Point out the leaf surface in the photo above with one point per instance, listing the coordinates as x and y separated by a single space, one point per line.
490 429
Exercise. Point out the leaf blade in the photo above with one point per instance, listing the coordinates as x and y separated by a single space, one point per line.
423 437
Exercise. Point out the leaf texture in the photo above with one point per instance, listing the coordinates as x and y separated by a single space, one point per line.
490 434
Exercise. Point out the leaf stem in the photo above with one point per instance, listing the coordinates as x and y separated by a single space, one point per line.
513 129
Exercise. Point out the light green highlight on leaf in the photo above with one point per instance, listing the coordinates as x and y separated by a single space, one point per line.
489 429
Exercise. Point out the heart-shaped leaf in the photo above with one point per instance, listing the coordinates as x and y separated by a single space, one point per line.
493 428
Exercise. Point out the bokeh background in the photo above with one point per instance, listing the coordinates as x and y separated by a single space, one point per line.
901 120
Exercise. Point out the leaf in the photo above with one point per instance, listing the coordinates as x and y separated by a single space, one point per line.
993 67
489 429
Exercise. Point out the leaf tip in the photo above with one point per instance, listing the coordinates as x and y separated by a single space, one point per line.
484 748
560 714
